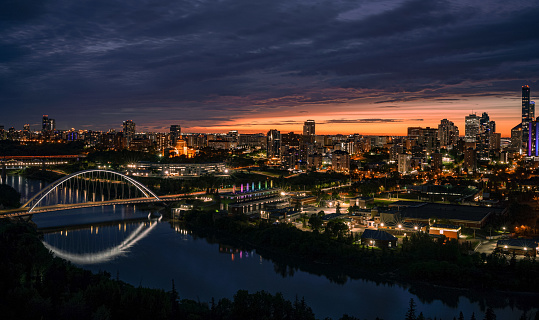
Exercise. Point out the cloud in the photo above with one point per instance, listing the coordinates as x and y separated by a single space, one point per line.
100 61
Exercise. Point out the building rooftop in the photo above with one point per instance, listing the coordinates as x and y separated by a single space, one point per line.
332 216
445 226
449 211
523 243
378 235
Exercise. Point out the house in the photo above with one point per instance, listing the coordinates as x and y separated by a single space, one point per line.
378 238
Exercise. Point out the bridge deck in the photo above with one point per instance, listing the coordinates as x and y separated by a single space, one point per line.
11 213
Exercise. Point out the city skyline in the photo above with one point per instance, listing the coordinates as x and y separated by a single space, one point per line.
367 68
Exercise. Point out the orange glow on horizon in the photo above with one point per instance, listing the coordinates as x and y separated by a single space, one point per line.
375 119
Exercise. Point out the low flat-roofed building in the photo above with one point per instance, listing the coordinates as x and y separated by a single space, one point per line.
253 201
448 230
303 200
465 216
378 238
283 215
176 170
362 202
518 246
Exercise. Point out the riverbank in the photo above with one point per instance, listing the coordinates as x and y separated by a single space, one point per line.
38 174
420 260
35 285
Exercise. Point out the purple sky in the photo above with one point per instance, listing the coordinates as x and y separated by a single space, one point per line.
353 66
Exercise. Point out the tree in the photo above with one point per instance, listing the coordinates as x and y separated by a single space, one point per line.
9 197
336 228
489 314
315 222
410 314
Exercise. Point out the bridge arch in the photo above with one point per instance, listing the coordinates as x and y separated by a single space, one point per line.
36 199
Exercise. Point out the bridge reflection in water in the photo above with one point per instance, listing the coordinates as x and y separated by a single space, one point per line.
97 243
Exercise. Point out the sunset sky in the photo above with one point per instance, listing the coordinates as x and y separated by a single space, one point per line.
368 67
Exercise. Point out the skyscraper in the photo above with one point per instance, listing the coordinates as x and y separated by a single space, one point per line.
175 134
471 128
516 138
448 133
129 131
309 128
47 124
487 127
274 144
528 114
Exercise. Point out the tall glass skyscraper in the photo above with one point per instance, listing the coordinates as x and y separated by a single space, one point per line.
528 115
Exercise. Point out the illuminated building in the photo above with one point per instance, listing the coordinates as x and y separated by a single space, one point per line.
129 131
471 129
175 134
448 133
274 144
340 161
47 124
404 163
470 162
516 138
528 114
309 128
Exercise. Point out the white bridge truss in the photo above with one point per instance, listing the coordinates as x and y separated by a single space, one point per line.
109 184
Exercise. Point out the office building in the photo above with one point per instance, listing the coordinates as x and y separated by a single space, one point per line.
47 124
528 115
273 146
471 128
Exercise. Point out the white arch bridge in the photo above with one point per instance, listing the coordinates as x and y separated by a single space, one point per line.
88 188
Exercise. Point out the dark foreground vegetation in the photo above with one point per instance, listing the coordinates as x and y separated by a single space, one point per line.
420 259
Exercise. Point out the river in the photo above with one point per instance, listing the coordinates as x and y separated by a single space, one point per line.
124 242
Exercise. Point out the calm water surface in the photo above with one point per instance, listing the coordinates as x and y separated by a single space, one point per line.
152 254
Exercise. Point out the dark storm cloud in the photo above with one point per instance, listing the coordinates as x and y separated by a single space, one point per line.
208 61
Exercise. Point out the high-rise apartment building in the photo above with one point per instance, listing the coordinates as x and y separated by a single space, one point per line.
273 144
309 128
448 133
129 130
175 134
471 127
